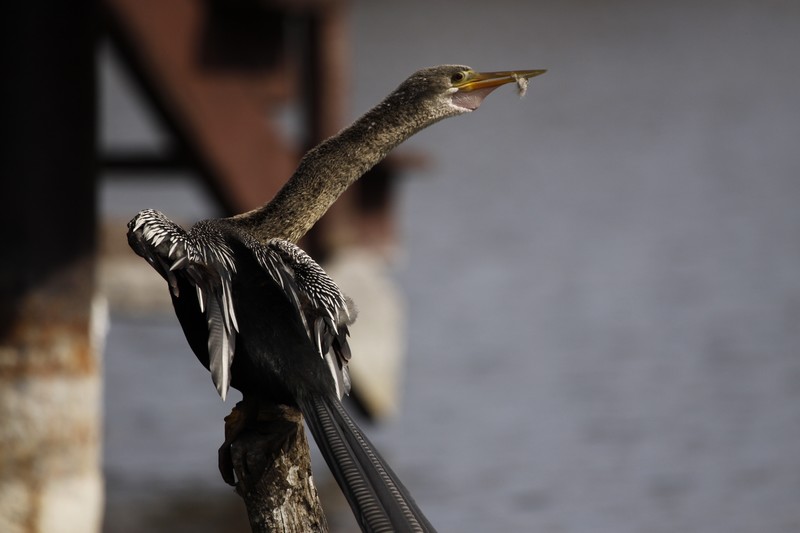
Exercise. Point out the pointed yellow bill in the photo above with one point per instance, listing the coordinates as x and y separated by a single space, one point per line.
485 80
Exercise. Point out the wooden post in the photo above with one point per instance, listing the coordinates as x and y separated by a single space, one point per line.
273 465
50 394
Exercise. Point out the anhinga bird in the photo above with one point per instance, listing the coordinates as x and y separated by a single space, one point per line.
263 317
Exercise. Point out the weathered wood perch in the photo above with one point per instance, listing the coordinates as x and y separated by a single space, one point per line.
272 463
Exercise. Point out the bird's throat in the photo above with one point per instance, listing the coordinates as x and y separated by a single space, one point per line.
471 100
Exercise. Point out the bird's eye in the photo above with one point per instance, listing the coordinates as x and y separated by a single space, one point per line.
458 77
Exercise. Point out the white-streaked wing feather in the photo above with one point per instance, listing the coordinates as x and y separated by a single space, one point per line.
324 311
220 348
206 261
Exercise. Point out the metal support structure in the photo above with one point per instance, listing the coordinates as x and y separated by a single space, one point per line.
215 72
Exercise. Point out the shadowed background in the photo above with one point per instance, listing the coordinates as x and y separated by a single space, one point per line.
601 279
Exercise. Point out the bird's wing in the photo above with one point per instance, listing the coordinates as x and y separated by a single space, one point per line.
325 312
205 260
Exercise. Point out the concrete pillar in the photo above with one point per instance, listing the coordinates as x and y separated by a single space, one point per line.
50 322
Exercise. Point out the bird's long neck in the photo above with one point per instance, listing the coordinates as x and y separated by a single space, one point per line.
330 168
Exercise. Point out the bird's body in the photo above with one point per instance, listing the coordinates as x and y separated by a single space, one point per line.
264 318
282 322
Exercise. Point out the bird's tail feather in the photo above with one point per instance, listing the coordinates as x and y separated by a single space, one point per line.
379 500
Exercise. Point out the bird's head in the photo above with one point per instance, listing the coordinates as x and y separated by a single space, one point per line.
449 90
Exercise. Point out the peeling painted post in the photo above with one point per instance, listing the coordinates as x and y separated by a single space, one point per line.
50 322
273 465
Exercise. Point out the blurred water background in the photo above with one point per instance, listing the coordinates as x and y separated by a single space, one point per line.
602 280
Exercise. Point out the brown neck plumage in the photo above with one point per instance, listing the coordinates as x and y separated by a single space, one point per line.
327 170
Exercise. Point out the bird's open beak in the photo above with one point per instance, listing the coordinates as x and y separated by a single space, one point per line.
492 80
476 86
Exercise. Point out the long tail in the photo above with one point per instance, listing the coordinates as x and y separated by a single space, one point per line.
379 500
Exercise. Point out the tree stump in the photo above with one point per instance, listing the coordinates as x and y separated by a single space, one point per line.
272 463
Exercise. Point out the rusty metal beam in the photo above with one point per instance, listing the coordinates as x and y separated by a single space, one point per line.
220 118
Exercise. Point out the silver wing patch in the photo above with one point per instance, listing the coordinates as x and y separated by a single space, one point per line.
206 261
324 311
